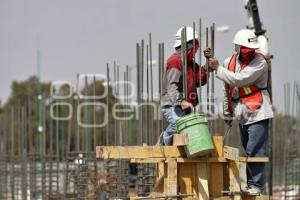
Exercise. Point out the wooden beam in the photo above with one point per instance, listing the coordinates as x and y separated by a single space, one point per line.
180 140
147 160
261 197
218 143
201 160
128 152
172 176
216 180
160 176
254 159
231 153
234 179
203 176
187 178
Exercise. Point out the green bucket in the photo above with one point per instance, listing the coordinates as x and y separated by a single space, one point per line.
195 126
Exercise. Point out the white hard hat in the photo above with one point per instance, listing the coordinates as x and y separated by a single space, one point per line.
263 45
189 35
246 38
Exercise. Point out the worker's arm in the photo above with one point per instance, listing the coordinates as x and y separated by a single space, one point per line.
173 77
245 77
201 71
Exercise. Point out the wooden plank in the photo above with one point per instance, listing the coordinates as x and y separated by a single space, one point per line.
234 178
254 159
147 160
231 153
261 197
216 180
180 140
203 176
128 152
172 176
160 175
218 143
201 160
187 178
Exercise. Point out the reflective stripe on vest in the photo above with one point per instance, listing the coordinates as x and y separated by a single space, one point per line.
249 95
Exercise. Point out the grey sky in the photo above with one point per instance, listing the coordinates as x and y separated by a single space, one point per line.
78 36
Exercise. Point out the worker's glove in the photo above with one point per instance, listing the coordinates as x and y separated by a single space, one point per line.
228 119
186 107
207 52
213 63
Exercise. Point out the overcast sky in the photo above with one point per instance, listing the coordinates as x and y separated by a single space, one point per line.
78 36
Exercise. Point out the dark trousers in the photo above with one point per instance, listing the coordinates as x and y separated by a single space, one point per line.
255 139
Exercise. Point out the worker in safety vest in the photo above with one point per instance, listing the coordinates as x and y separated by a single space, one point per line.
245 76
173 102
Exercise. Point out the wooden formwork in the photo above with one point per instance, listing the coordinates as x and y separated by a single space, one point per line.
179 177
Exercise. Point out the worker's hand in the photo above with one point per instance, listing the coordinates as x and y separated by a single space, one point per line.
228 119
207 52
186 105
213 63
228 122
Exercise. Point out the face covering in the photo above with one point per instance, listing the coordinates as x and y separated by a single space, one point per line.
246 50
192 51
246 53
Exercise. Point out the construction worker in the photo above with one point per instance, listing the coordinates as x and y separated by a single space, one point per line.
173 102
245 76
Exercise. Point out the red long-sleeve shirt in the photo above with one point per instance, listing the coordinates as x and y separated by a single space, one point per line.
172 91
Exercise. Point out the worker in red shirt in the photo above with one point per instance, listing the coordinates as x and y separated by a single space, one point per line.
173 102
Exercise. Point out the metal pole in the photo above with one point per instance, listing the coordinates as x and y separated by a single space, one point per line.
142 88
118 123
162 70
115 91
139 138
212 98
86 115
194 61
200 64
107 103
12 161
147 86
77 140
159 125
151 86
207 76
184 60
94 142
